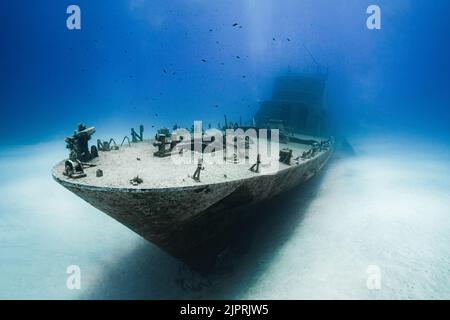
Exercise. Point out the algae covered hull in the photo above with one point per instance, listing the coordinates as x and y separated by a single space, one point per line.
182 216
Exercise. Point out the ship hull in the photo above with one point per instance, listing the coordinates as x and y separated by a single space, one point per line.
191 223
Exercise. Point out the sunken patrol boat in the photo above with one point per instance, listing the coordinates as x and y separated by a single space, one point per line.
185 190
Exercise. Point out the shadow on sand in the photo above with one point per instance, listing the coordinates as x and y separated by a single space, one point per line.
148 273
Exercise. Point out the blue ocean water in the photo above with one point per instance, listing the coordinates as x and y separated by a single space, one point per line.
164 62
134 59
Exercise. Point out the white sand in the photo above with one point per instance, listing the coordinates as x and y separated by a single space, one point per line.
387 207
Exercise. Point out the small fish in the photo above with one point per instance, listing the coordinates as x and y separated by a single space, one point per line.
164 70
243 76
210 30
237 57
288 39
203 60
273 39
235 24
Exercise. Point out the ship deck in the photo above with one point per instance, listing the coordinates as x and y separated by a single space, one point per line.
137 159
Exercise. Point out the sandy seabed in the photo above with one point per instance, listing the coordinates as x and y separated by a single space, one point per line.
386 207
